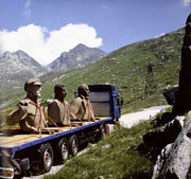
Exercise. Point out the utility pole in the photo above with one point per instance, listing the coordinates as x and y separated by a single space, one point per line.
150 86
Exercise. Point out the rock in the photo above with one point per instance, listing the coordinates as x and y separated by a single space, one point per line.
107 146
166 118
160 160
181 119
155 141
175 161
183 95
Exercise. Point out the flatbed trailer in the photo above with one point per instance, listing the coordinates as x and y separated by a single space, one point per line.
21 153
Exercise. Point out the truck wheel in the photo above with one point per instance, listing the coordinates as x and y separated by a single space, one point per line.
46 157
63 150
73 145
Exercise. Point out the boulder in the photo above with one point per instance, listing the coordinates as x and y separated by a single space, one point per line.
175 159
156 140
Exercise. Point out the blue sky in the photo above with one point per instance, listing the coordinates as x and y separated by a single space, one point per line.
46 28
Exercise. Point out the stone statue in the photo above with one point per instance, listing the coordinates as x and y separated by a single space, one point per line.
81 105
59 110
28 112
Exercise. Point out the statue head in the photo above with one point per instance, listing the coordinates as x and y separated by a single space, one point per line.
60 91
33 87
83 90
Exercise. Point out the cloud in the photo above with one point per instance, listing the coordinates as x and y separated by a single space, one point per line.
44 48
27 10
186 3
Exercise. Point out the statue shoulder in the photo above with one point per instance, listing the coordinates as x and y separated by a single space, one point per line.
24 102
76 100
66 102
54 104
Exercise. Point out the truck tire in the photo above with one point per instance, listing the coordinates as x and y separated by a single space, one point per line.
73 145
62 150
46 157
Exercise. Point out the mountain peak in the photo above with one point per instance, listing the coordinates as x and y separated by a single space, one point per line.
17 53
78 56
80 46
17 67
20 52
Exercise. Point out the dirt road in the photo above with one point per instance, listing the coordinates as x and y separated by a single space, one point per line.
130 119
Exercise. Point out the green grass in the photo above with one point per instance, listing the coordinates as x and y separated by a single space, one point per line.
120 160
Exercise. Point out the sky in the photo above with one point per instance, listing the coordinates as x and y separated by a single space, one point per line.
46 28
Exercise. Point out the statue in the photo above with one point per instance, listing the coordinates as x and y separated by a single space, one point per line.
28 112
81 105
59 110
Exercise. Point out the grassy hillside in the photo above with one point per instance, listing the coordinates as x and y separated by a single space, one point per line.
115 157
127 68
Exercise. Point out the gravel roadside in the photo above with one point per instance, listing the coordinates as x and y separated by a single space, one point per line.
130 119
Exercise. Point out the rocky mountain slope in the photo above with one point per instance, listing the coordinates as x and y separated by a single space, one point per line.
16 67
77 57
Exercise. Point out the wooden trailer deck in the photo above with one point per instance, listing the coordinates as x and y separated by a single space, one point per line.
14 137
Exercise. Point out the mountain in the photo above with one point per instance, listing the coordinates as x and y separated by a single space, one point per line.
77 57
140 71
16 67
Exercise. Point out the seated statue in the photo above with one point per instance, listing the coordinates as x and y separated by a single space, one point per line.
81 105
28 112
58 110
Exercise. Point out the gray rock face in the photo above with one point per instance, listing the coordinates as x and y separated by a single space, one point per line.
17 67
78 56
156 140
175 161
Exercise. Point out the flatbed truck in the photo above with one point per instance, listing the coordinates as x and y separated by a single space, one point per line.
21 153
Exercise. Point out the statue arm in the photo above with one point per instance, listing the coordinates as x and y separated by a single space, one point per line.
29 127
15 116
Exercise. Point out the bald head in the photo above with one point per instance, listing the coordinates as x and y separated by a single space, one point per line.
83 90
60 91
